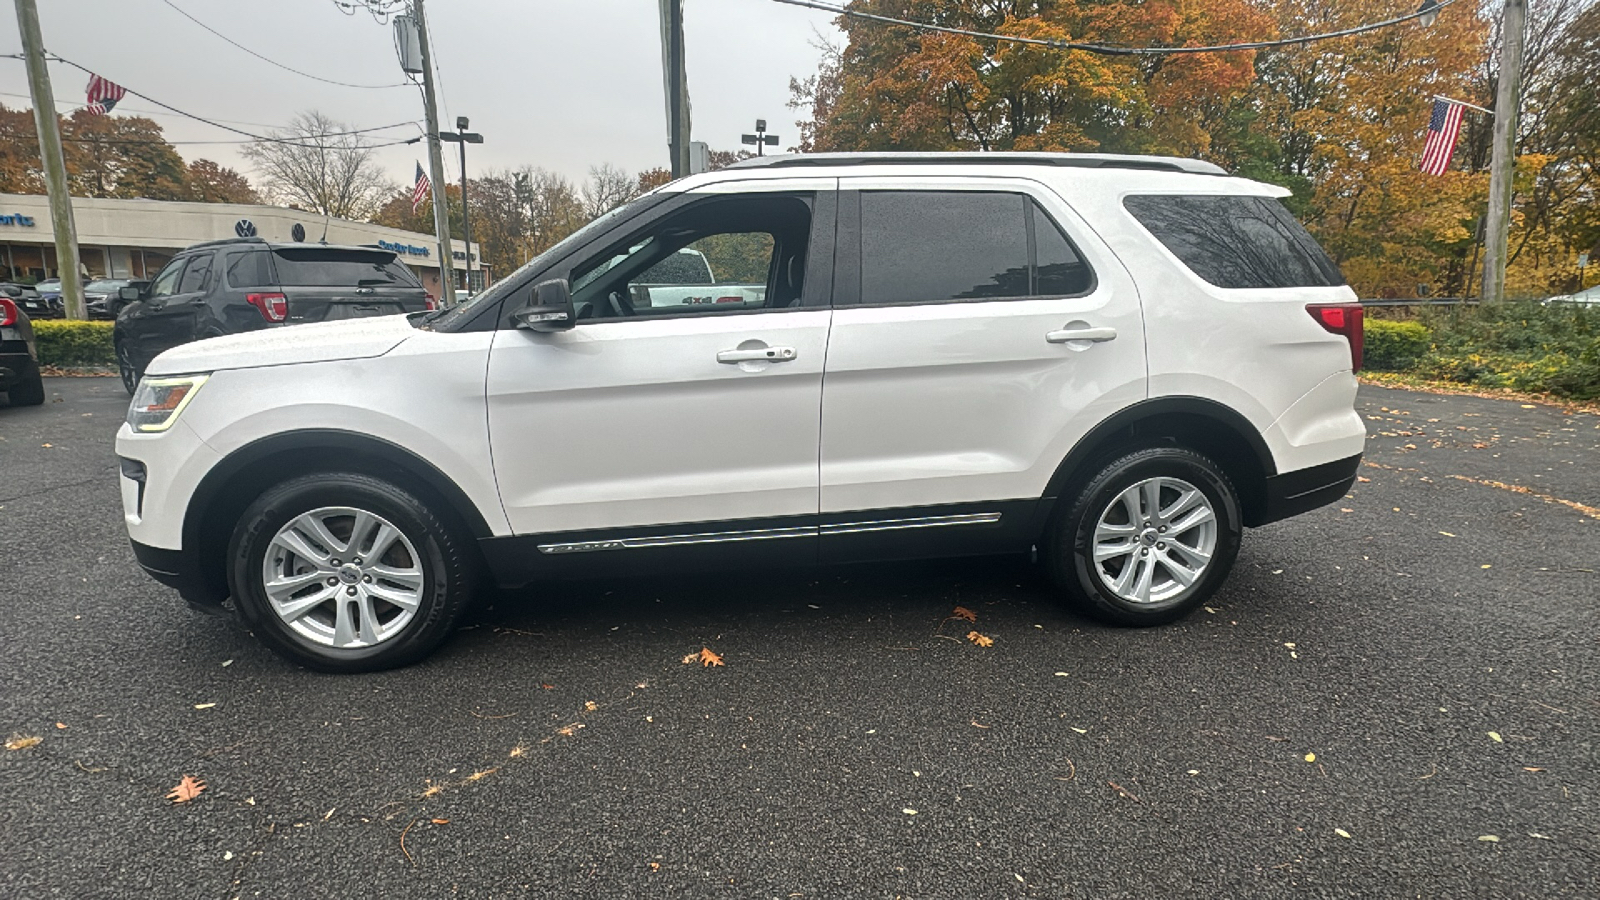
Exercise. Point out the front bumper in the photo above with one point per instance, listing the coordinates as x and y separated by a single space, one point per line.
178 569
1302 490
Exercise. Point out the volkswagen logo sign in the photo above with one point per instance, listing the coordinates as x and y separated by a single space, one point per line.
298 232
244 228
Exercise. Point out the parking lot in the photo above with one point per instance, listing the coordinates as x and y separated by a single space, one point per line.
1398 695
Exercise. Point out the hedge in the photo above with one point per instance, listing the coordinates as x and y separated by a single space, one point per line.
67 343
1395 346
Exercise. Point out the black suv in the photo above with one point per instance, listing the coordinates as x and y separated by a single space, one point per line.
19 356
225 287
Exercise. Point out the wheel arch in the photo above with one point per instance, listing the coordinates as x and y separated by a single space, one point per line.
1203 425
232 484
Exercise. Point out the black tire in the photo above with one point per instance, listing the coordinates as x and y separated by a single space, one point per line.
130 373
29 391
1071 542
443 558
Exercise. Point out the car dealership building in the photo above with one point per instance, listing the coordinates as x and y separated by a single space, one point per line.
135 238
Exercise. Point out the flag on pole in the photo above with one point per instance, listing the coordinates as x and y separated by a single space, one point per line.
1443 127
103 95
420 189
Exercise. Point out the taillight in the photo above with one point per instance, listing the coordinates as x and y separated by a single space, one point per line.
273 307
8 312
738 299
1345 319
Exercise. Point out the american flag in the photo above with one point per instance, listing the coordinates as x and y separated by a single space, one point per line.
103 95
420 189
1443 127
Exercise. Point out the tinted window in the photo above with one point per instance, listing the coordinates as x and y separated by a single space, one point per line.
197 276
925 246
1236 242
1060 271
329 267
166 283
249 269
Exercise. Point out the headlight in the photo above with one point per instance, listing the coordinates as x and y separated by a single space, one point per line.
159 400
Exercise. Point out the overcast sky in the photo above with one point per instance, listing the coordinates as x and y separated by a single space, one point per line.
560 84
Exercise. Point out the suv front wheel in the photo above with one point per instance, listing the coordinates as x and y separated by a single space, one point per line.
343 572
1150 537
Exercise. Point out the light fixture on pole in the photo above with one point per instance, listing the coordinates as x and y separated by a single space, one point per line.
1428 13
760 139
464 137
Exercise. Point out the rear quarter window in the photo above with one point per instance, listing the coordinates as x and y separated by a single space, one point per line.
1235 241
319 267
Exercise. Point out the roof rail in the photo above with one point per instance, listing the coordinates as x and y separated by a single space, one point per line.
1065 160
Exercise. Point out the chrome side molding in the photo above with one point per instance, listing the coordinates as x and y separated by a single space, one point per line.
768 534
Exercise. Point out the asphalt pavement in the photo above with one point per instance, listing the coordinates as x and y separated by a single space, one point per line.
1395 696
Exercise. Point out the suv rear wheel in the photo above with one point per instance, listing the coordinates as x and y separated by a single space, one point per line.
130 373
1151 536
343 572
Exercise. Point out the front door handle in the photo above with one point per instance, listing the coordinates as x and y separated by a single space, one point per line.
758 354
1066 335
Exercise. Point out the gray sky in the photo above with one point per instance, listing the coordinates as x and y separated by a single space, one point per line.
561 84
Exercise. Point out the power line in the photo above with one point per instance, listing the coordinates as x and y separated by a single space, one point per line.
1112 49
257 137
280 65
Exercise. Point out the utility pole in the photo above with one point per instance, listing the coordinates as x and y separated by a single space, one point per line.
464 137
677 85
55 164
441 204
1507 103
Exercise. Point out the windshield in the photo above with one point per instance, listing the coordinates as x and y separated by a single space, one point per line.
109 284
444 317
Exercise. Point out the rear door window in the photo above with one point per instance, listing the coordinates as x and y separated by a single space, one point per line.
937 246
197 276
1234 241
330 267
249 269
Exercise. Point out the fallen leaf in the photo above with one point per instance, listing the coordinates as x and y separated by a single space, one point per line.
590 705
570 730
655 867
1532 769
441 821
551 687
329 814
1495 736
1063 674
1489 838
204 705
22 742
909 811
709 659
1529 406
61 724
961 612
980 640
1342 833
1486 566
693 657
1079 730
1363 478
46 445
187 789
1447 534
975 724
1311 757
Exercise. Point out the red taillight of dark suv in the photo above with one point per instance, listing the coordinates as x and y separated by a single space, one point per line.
273 307
8 312
1345 319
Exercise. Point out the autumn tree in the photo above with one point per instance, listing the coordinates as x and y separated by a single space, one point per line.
20 170
396 211
316 163
213 183
121 156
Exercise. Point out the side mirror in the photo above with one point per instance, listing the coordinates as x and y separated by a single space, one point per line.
129 293
551 309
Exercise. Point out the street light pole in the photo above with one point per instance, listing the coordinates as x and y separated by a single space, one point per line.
464 137
1513 31
55 165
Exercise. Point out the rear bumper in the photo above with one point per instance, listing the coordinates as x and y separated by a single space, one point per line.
178 569
16 368
1303 490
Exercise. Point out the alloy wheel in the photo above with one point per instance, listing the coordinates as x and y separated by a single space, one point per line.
1154 541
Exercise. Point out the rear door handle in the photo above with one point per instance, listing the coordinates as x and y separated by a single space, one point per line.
1098 335
759 354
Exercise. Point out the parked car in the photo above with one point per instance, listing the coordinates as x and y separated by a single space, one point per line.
103 298
19 356
1113 363
1587 297
30 301
227 287
50 288
685 279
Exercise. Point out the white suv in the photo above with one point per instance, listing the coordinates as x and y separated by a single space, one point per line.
1114 362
